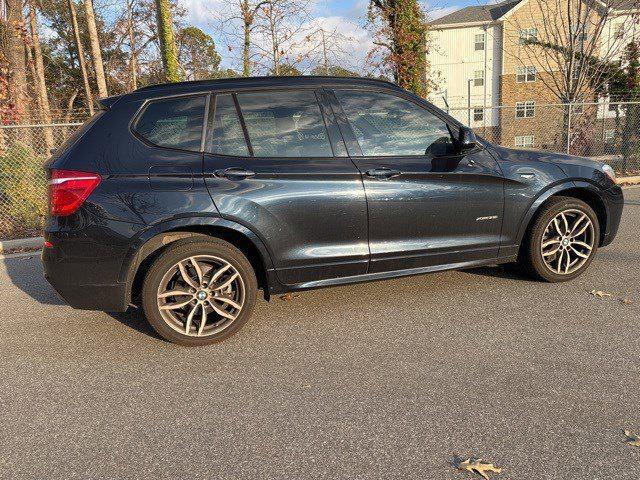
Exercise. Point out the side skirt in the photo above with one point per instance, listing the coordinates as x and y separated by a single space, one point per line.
275 287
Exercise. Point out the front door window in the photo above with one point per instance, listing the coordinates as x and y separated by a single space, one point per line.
389 126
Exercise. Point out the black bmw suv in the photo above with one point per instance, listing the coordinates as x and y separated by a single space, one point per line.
186 199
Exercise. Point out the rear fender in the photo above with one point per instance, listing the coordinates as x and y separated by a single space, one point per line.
164 233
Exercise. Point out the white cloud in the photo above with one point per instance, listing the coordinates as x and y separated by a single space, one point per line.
436 13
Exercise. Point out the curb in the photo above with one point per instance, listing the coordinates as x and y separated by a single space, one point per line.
33 242
635 180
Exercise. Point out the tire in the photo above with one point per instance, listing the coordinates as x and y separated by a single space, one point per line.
556 267
210 314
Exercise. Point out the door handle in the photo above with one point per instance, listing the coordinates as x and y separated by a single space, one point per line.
383 172
234 173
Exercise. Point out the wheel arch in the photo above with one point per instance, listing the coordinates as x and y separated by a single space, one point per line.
153 242
584 191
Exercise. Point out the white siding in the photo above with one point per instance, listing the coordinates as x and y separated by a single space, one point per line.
614 46
453 62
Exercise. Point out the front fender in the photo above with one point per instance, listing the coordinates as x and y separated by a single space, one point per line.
567 185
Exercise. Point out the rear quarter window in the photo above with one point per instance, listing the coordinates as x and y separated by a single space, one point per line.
173 122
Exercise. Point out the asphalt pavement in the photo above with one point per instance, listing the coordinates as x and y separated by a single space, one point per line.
393 379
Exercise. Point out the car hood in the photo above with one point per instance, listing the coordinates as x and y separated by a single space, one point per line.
559 159
572 166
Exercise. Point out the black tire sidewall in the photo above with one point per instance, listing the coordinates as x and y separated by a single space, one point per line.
179 251
535 260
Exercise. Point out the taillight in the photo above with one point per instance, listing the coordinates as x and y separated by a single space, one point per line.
69 189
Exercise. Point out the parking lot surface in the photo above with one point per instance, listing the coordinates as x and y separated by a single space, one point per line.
393 379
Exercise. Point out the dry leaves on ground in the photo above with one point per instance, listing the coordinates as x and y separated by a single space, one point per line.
632 438
288 297
626 301
479 467
600 293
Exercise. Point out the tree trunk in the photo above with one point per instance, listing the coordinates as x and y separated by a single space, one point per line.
274 42
81 60
96 54
167 41
40 84
132 45
67 116
246 70
14 48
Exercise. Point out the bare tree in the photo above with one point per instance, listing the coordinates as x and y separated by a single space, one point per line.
326 51
96 53
281 26
133 63
570 43
40 85
81 59
13 46
167 41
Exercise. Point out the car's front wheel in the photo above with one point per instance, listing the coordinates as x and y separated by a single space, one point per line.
199 292
562 240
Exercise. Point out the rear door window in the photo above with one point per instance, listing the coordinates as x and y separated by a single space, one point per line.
173 122
224 132
285 124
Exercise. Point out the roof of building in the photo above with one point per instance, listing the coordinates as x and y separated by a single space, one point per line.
623 4
478 13
492 12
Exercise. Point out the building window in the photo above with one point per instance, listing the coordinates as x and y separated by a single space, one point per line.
478 78
613 107
479 42
577 108
524 141
525 109
528 35
526 74
609 136
618 30
478 114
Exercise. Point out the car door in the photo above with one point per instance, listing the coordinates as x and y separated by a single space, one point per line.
275 163
429 204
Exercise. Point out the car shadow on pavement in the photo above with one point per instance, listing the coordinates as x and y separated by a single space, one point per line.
134 319
25 272
507 272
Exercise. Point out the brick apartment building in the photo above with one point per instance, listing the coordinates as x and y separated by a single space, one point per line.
482 57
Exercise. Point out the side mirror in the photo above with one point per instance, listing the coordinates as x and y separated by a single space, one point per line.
466 139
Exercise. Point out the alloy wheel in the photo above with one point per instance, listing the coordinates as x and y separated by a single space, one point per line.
201 295
568 241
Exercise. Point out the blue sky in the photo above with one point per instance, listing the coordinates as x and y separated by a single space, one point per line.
347 17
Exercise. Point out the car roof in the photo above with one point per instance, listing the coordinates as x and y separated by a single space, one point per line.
258 82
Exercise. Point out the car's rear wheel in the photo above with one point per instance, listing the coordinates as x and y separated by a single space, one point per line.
562 240
199 292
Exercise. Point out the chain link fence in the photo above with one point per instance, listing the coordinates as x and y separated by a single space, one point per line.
23 150
606 132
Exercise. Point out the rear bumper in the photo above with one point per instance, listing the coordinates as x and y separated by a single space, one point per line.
74 280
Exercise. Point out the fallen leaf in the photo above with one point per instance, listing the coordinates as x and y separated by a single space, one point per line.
288 297
632 439
477 466
626 301
599 293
